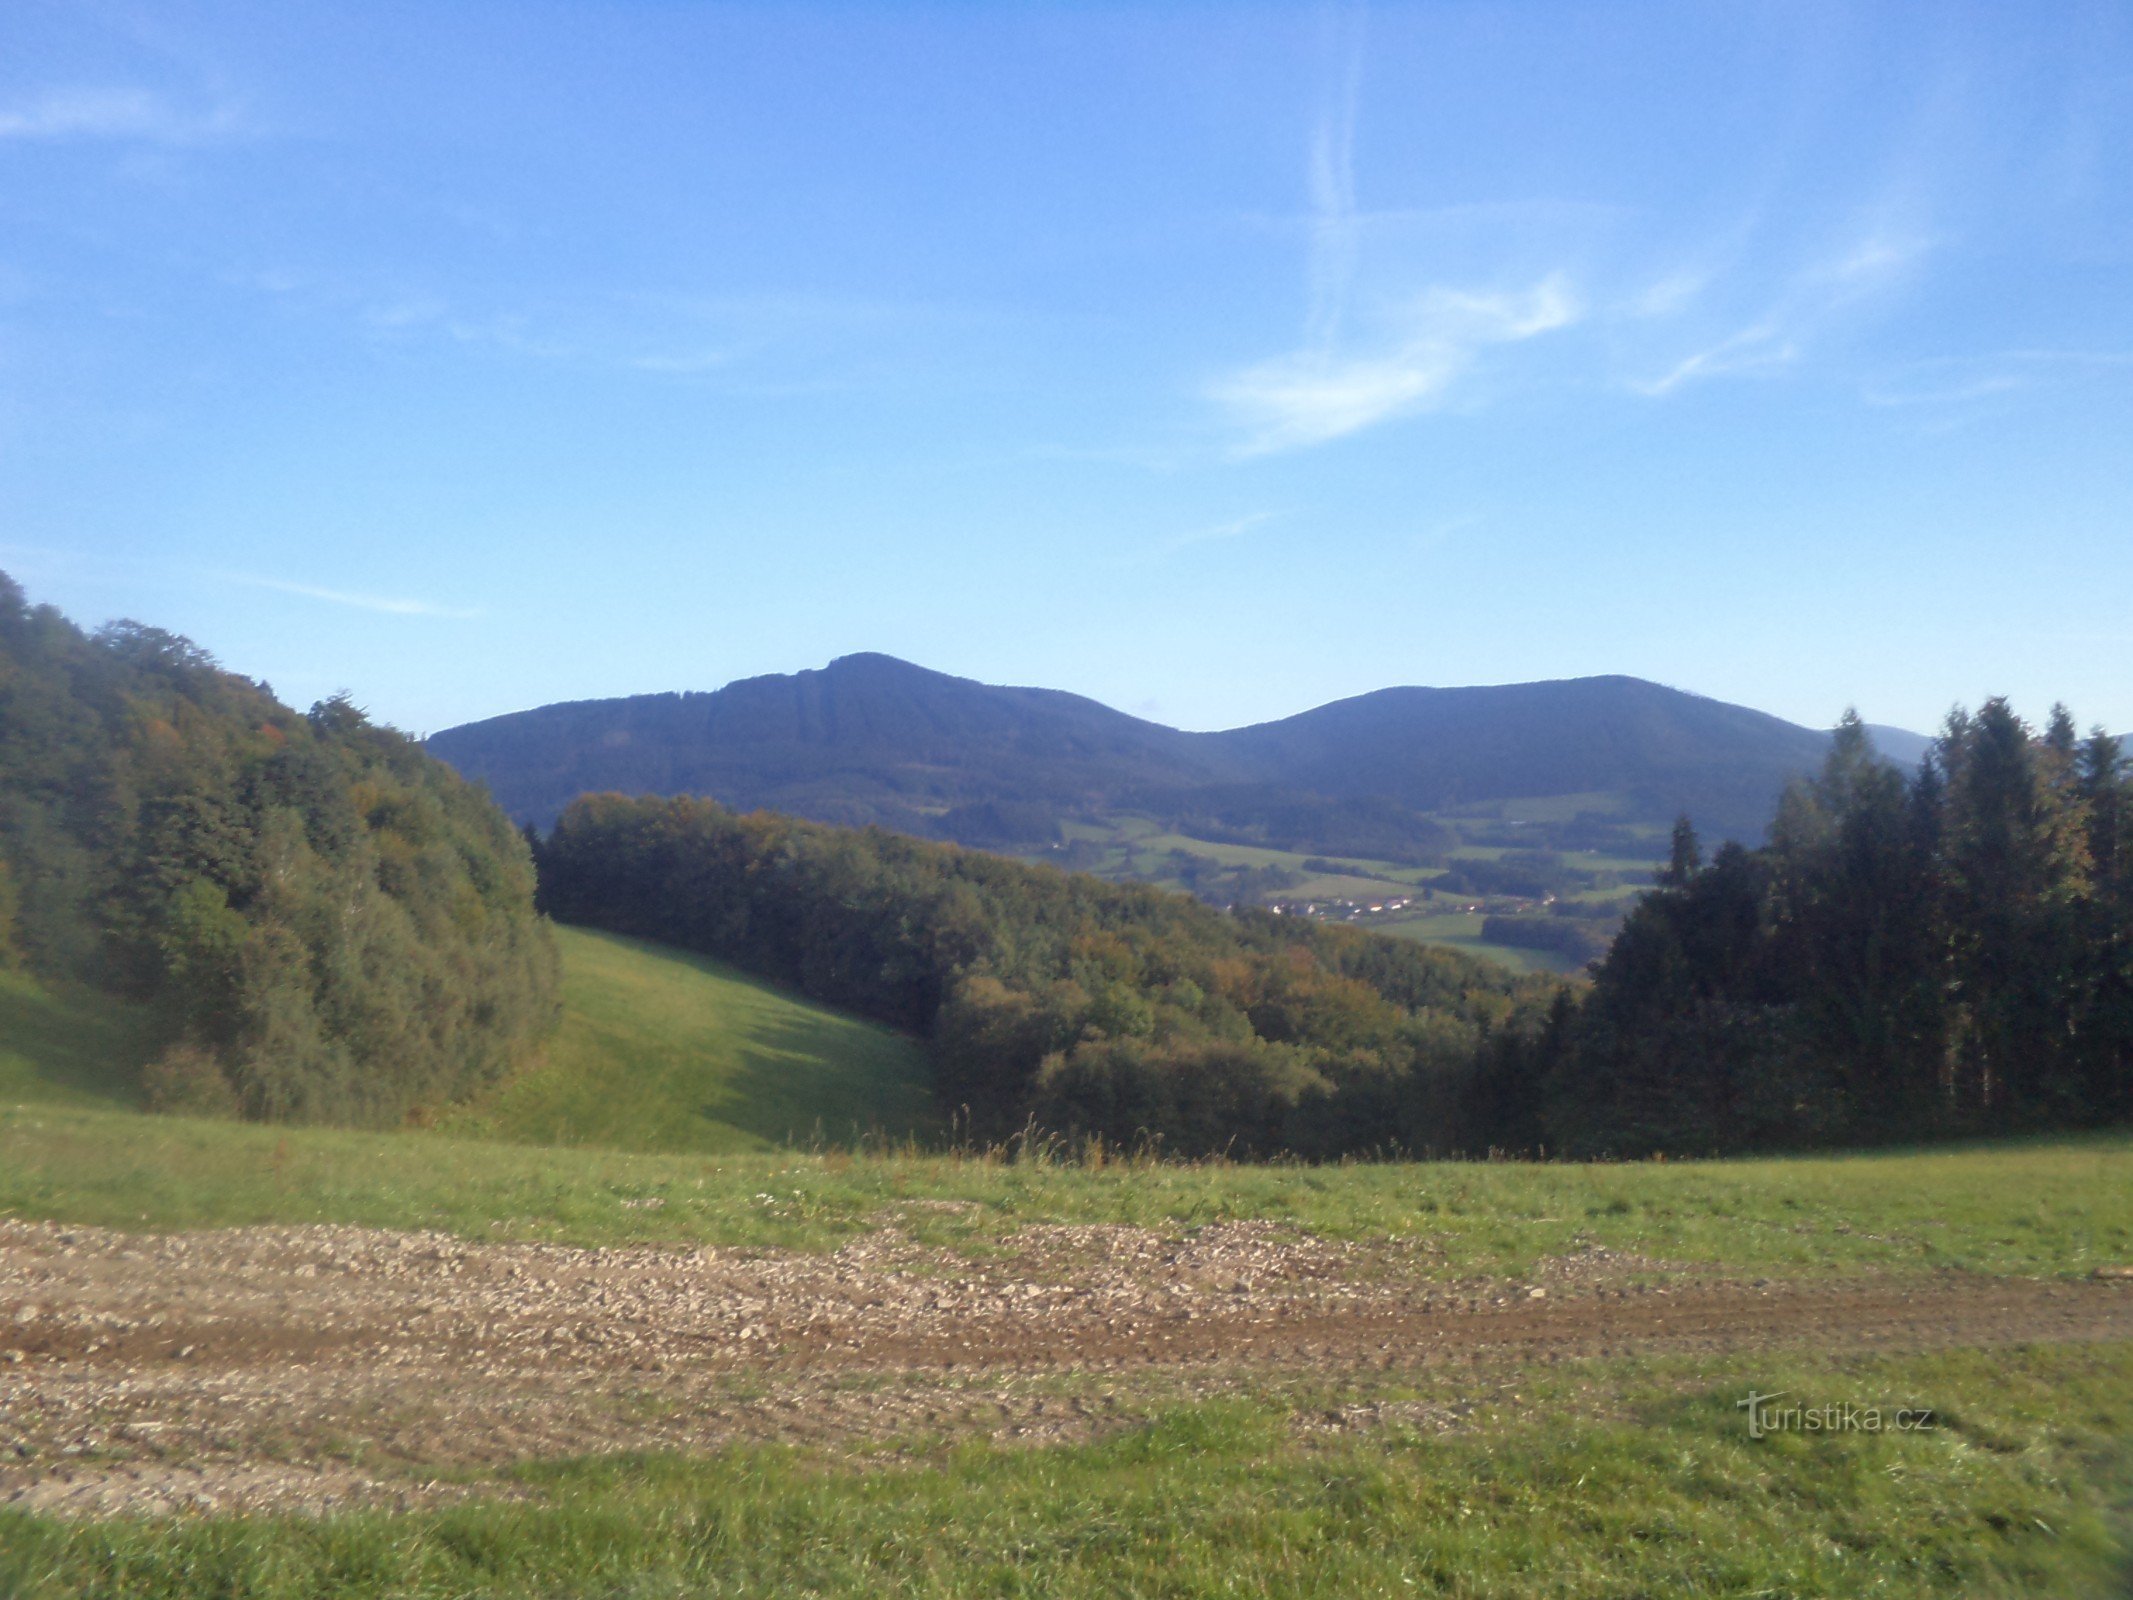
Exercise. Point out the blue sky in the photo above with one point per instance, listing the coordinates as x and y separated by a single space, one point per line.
1215 361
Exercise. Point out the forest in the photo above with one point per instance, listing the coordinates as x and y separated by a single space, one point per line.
1909 958
325 924
1108 1011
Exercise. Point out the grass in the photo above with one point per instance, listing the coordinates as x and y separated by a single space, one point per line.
1137 848
1597 1480
1461 930
662 1050
674 1077
68 1047
1585 1479
2052 1206
657 1050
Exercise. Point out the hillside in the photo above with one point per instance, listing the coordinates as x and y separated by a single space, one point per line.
1084 1007
870 739
656 1050
1433 749
663 1050
315 921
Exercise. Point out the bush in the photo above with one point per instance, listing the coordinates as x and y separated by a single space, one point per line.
187 1081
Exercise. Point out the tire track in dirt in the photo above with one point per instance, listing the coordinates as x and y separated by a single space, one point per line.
249 1366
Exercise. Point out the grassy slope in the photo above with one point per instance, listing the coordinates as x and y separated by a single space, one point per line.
1591 1480
685 1074
661 1050
657 1050
2049 1207
68 1047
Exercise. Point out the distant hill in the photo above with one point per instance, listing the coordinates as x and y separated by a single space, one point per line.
1433 749
868 738
1899 745
871 739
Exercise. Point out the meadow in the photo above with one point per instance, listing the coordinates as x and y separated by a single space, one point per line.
761 1119
2050 1206
1591 1482
662 1049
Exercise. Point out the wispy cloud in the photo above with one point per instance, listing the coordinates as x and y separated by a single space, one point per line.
114 113
1815 295
1670 294
1339 380
1316 395
1878 258
1957 380
1335 226
389 605
1761 348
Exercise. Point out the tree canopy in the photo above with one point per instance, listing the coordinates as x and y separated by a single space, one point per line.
1908 958
329 924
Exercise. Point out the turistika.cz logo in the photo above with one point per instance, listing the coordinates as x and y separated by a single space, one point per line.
1766 1416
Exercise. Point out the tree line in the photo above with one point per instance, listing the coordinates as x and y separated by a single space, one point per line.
325 923
1091 1008
1909 957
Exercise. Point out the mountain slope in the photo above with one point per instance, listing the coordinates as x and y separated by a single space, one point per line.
1433 748
870 739
866 739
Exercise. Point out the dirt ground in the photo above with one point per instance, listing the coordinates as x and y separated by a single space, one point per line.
305 1368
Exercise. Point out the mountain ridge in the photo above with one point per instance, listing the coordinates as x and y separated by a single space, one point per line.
871 738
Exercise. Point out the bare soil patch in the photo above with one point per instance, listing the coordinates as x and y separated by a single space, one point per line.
303 1368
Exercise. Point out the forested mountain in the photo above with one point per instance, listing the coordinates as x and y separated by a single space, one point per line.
328 924
1430 749
869 739
866 739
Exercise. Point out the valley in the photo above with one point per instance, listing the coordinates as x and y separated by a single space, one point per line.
1505 887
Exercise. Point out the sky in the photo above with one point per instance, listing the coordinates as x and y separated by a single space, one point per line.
1215 361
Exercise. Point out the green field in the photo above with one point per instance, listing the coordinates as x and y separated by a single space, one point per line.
1136 848
1624 1477
2056 1206
1587 1482
1461 930
663 1050
680 1080
657 1049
